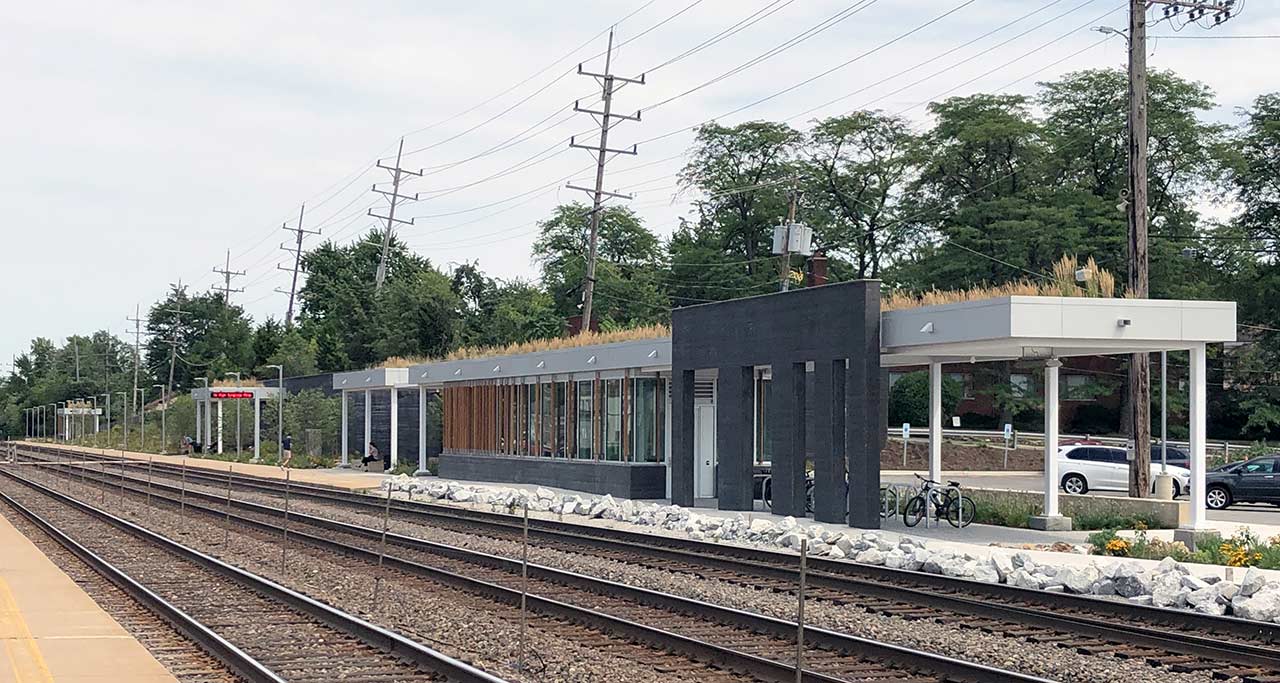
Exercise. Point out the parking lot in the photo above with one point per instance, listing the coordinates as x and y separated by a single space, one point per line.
1244 513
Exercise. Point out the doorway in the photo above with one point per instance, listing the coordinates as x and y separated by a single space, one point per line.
704 451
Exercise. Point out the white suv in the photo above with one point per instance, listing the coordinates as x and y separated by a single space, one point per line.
1084 467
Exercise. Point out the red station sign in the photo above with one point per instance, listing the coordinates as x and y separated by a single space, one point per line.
230 394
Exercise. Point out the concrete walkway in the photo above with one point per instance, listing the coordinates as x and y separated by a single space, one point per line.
51 631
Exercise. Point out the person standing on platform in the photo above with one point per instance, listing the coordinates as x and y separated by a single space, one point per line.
286 450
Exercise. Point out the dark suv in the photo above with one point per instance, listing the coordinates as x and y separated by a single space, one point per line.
1177 455
1251 481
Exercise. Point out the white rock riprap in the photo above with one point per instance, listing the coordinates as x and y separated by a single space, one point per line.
1170 584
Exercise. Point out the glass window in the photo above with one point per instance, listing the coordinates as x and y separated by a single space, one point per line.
764 449
559 398
1259 466
613 419
1020 385
965 380
585 422
644 430
894 377
544 417
530 418
1076 388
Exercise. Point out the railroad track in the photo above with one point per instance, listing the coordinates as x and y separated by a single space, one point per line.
1179 640
734 639
179 654
263 632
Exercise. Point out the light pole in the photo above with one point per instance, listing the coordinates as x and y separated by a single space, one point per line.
237 413
164 408
57 423
108 395
142 417
280 413
124 398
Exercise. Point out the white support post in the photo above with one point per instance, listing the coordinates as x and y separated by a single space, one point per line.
368 422
199 419
257 429
422 432
208 426
395 427
1051 520
219 427
1198 410
935 421
344 428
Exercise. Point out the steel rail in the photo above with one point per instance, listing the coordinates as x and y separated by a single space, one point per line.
951 668
1169 631
381 638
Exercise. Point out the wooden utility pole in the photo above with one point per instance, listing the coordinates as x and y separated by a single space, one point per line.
394 197
297 262
609 84
227 274
1139 363
1139 385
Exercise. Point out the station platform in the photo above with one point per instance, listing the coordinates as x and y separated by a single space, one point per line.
51 631
351 480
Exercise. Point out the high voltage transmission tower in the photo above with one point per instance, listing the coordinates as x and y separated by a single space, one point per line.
1139 384
394 198
137 344
227 274
609 84
297 262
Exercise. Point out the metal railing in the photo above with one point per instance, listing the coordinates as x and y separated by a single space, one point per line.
1037 438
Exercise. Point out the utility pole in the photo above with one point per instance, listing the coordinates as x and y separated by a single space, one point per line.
1139 384
395 198
297 261
786 233
609 84
137 343
76 344
227 274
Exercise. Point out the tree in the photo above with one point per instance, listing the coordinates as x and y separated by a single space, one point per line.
416 316
295 353
266 341
339 310
743 174
909 398
628 265
211 338
859 167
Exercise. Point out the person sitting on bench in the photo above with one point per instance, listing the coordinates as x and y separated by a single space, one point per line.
371 457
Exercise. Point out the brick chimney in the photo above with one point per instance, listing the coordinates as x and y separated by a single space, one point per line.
817 275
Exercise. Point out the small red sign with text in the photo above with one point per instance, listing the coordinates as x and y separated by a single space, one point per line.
230 394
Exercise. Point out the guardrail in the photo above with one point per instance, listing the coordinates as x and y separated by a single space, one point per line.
1026 437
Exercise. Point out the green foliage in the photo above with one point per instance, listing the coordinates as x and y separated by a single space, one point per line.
1004 512
628 288
295 353
909 398
1085 521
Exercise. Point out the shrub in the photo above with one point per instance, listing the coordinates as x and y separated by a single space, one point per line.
1010 513
1086 521
909 398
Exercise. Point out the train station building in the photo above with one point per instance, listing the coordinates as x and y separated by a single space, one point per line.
789 385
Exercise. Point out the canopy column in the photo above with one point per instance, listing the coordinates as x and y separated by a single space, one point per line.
1051 520
344 428
935 421
395 427
257 429
368 422
1197 410
219 427
422 433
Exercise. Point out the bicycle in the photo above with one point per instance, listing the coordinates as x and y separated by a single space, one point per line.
946 501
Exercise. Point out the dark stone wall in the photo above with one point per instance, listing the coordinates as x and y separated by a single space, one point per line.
323 382
826 325
380 424
625 480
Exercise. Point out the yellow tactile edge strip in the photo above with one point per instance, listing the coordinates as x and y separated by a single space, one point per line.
19 646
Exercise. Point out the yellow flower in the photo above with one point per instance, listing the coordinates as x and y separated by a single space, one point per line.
1117 546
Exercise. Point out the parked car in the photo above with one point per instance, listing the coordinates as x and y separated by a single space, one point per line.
1177 455
1251 481
1085 468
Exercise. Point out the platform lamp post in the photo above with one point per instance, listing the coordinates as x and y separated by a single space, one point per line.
124 399
108 395
237 375
279 412
164 430
142 417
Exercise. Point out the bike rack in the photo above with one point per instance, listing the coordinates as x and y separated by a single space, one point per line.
901 494
929 513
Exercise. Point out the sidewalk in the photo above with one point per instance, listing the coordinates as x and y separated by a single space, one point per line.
51 631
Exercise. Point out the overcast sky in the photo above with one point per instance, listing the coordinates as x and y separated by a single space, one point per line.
142 140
